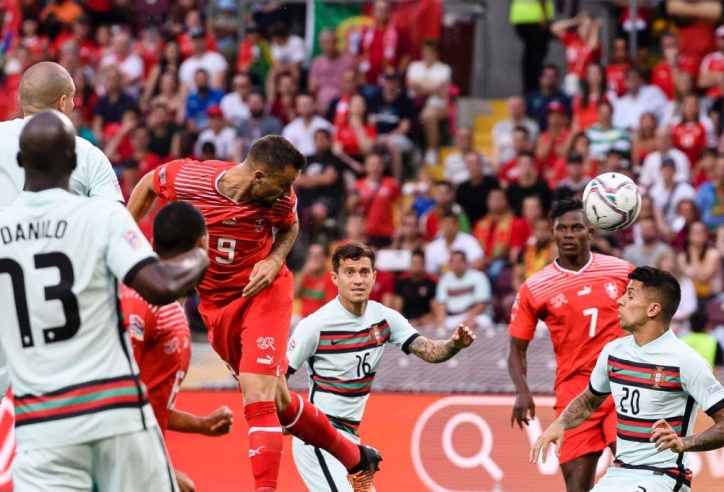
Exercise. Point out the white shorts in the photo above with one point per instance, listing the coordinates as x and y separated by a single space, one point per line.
129 462
453 320
321 471
402 143
628 480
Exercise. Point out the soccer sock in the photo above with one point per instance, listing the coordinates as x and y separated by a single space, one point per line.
308 423
265 444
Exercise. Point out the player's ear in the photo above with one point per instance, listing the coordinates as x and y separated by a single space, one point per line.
334 277
203 242
258 175
654 310
19 158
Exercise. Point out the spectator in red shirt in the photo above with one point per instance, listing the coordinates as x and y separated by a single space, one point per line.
186 43
141 162
313 284
618 66
80 33
283 105
582 46
711 72
36 44
585 104
664 73
443 193
703 170
522 143
554 142
494 231
354 139
692 134
337 109
376 196
382 45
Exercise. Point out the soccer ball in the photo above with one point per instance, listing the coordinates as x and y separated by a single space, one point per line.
612 201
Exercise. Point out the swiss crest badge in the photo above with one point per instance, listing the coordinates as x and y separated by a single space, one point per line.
612 290
658 376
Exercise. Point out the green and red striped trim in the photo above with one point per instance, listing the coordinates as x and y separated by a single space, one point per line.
346 425
643 375
682 475
639 430
339 342
80 399
344 387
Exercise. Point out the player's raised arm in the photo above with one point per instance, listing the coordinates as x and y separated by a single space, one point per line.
577 412
435 351
142 198
162 282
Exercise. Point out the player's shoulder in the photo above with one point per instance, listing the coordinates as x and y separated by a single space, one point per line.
542 277
321 316
609 265
12 127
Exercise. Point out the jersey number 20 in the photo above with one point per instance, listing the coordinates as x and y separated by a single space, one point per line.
61 292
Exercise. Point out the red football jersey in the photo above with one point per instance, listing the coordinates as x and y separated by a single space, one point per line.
161 346
616 77
316 292
240 234
579 309
690 138
713 62
663 76
578 54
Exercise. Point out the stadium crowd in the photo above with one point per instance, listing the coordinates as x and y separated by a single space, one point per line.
155 84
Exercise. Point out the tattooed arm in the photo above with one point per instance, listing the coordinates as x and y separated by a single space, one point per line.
441 350
665 436
577 412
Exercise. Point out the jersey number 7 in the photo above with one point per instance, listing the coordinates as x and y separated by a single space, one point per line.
61 292
593 313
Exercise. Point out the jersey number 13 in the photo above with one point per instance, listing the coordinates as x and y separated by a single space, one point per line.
61 292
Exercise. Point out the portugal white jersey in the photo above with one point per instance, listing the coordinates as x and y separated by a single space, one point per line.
343 353
92 177
664 379
71 367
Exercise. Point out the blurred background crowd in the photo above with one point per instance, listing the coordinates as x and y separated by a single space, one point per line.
458 214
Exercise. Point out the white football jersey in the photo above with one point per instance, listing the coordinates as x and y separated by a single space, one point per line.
93 175
343 353
71 368
664 379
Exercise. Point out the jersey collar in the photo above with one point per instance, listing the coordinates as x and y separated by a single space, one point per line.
573 272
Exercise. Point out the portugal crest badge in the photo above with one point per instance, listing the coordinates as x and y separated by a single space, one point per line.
376 335
658 376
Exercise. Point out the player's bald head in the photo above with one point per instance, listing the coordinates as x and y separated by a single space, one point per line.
42 87
47 144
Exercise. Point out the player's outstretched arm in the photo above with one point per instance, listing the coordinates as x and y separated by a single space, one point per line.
163 282
577 412
142 198
264 272
666 437
518 370
441 350
216 424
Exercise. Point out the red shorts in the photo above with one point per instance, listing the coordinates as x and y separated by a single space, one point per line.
592 436
251 334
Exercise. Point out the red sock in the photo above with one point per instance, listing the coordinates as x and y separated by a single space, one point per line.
308 423
265 444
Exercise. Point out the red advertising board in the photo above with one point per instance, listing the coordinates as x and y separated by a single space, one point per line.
430 442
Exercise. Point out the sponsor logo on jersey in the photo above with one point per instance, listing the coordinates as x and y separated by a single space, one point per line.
292 345
612 290
658 375
229 222
136 326
133 239
259 225
267 361
558 300
585 291
713 389
265 343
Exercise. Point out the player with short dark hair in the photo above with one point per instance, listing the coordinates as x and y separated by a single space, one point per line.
342 344
657 382
576 298
247 295
161 337
82 418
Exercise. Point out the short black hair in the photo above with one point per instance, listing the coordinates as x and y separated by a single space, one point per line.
418 252
275 153
208 147
668 291
352 251
177 228
698 321
562 207
523 130
459 252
